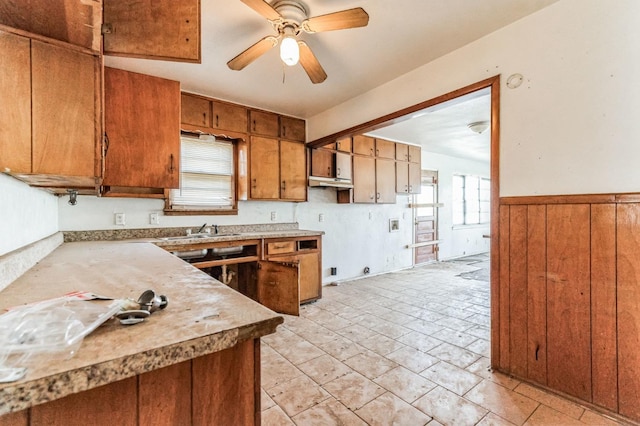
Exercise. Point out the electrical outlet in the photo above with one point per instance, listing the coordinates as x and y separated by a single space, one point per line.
154 218
274 216
119 218
370 215
321 217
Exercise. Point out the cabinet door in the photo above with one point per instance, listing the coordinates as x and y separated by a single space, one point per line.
142 121
279 286
293 171
402 177
264 123
415 184
402 152
264 164
322 163
344 145
385 181
364 180
195 110
343 165
414 154
310 284
15 98
229 117
363 145
162 29
385 149
292 128
64 85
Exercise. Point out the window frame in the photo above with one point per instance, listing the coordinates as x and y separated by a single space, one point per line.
480 201
186 211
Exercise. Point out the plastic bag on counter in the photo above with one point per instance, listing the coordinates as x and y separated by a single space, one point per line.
54 328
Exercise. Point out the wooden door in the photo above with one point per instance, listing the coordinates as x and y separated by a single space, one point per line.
310 282
364 180
322 163
385 149
162 29
385 181
65 114
229 117
425 212
293 171
343 165
344 145
568 299
402 177
363 145
292 128
142 121
402 152
15 98
264 168
264 123
195 110
279 286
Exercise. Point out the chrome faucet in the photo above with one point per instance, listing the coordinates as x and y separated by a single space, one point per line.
201 228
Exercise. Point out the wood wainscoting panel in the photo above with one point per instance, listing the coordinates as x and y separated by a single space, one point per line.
502 346
604 361
537 293
569 299
628 300
518 290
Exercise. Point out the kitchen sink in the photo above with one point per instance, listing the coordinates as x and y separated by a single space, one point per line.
191 236
225 251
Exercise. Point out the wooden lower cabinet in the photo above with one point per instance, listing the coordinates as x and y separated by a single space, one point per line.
222 388
568 300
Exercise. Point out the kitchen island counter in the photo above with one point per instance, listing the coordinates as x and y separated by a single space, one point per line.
203 319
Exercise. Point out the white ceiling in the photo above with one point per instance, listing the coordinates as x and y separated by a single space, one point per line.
401 36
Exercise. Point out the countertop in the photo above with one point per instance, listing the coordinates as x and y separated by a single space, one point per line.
203 316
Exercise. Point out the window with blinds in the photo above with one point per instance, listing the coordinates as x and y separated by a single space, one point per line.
206 175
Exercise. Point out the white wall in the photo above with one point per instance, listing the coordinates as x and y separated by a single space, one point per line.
26 214
459 241
571 127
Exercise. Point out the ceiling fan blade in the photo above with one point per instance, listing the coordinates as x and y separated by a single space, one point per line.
263 8
252 53
350 18
310 64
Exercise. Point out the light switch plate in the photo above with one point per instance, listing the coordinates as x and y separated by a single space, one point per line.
154 218
119 218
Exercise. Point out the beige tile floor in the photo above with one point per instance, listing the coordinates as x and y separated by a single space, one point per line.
403 348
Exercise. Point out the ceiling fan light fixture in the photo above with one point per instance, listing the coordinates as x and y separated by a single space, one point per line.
289 51
478 126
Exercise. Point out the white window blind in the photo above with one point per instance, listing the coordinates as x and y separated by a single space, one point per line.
206 175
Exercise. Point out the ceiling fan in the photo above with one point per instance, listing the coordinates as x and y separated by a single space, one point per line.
289 18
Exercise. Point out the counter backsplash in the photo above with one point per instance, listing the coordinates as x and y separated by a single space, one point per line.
127 234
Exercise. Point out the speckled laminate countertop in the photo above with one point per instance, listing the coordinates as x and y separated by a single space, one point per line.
203 316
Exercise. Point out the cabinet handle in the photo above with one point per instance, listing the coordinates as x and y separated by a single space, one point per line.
284 131
217 121
106 143
371 197
254 125
171 164
410 188
377 152
284 185
329 171
378 196
371 151
338 171
204 119
254 184
406 188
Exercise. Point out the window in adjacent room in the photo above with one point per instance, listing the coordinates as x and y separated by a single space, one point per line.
471 196
207 177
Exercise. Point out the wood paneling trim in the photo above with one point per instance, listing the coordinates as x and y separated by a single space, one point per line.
604 360
518 290
500 346
537 294
563 199
569 299
628 308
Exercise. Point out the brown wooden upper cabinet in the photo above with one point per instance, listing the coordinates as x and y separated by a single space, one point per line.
210 115
364 145
161 29
263 123
142 122
385 149
277 169
402 152
343 145
50 127
322 163
414 154
292 128
408 174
